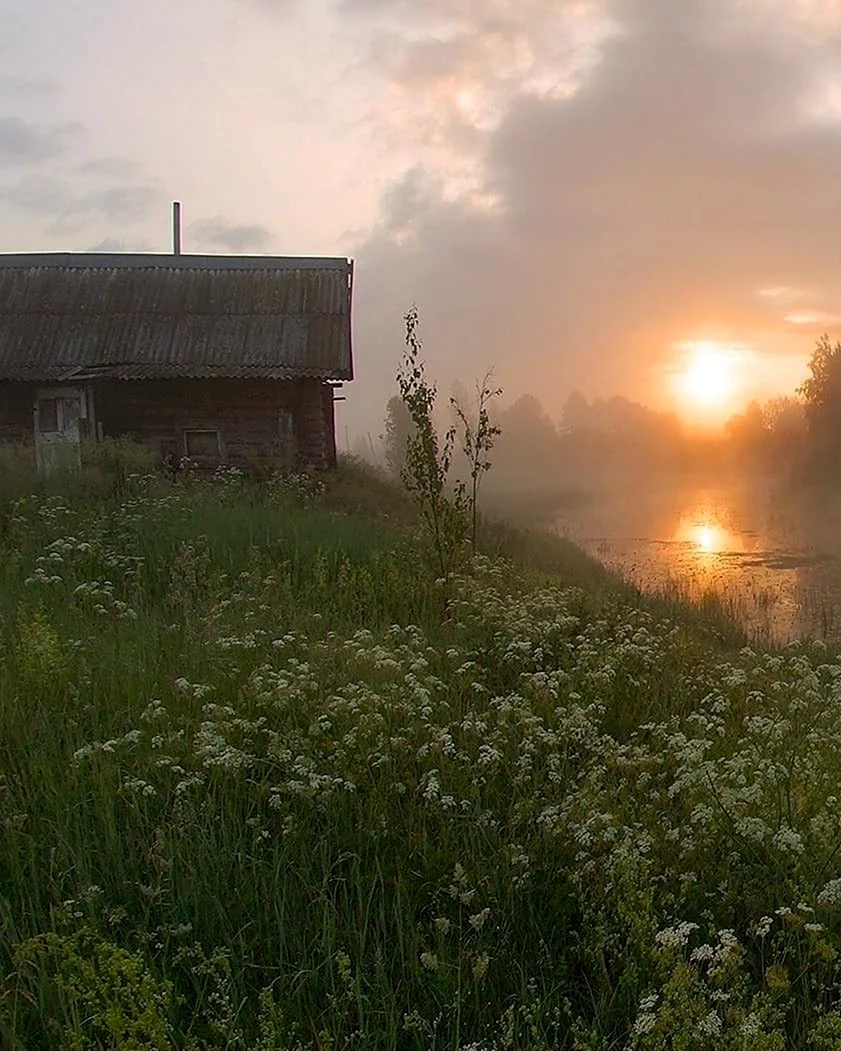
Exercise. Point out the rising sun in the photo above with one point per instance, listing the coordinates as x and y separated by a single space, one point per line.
707 380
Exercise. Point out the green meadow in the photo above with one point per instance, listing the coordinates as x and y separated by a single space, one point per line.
267 784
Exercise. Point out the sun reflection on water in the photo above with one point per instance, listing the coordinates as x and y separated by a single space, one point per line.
771 567
706 536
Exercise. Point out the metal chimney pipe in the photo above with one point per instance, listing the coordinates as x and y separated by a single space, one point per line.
176 228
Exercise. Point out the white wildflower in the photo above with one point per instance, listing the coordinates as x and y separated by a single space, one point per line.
675 937
710 1025
647 1016
137 786
477 922
831 893
788 841
763 926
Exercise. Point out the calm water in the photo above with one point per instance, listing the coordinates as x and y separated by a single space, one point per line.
775 563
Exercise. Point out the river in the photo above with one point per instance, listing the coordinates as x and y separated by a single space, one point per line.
773 561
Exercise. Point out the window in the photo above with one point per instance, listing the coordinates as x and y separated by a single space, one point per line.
202 445
48 415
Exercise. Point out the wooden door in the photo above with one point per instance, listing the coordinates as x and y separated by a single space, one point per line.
60 414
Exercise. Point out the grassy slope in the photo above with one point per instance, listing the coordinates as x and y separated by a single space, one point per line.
260 792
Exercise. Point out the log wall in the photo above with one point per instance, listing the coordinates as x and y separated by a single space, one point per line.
17 421
262 424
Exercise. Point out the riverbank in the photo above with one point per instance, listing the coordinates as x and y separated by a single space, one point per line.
263 791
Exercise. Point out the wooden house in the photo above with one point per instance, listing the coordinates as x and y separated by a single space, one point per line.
222 359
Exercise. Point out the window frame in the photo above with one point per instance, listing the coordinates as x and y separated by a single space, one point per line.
203 457
55 402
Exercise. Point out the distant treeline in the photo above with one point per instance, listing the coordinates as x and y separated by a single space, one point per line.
616 441
608 442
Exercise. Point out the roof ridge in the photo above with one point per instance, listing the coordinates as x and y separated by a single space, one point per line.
164 261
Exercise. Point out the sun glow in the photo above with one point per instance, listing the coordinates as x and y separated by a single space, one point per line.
707 381
706 538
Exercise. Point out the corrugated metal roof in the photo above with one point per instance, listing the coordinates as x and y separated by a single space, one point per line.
159 316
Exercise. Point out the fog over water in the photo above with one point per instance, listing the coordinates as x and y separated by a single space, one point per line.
773 561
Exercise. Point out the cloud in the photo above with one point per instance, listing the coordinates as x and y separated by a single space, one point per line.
269 5
453 76
22 142
818 319
120 245
27 88
645 205
67 210
111 168
217 232
273 8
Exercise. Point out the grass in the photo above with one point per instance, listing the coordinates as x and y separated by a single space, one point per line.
262 790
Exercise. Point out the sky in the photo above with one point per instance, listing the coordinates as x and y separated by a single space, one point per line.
609 196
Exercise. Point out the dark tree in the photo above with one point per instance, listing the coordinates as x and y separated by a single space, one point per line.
398 428
821 394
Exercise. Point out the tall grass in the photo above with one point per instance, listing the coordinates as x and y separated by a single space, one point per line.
261 790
